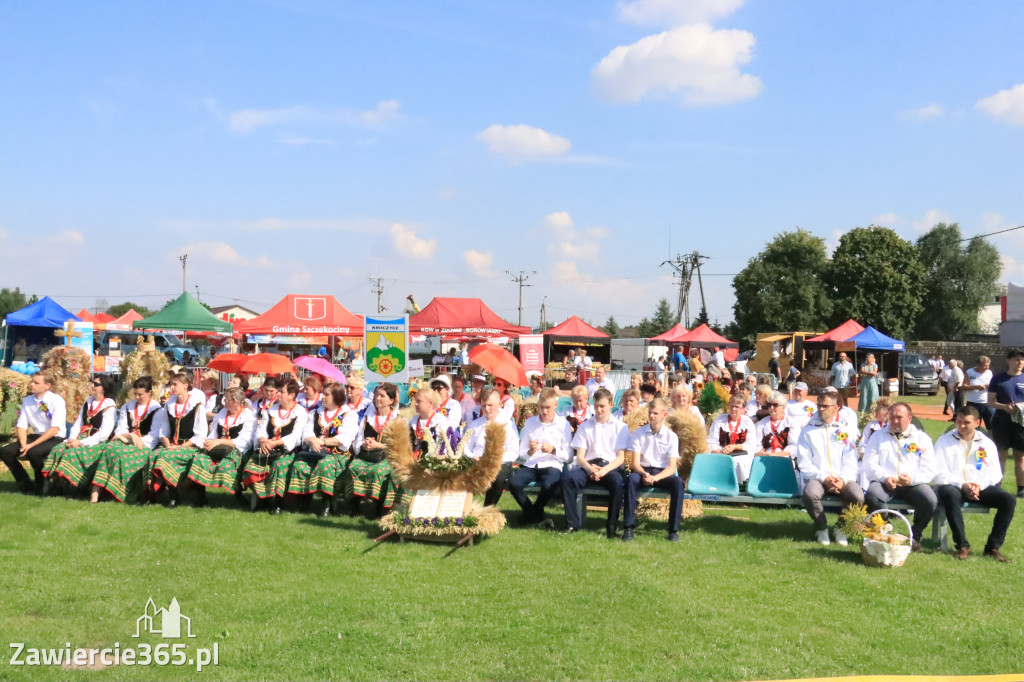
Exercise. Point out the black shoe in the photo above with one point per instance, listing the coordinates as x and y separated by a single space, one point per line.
570 530
325 512
673 537
546 524
611 533
275 510
627 535
172 503
1020 493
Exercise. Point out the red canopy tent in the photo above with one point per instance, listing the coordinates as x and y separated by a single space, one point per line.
125 321
575 333
846 330
461 317
305 315
705 337
673 335
98 318
574 326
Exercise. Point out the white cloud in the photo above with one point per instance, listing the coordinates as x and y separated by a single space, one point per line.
698 64
931 218
1009 268
675 12
302 141
67 238
220 253
447 192
923 113
886 219
479 261
1006 105
523 141
408 243
569 243
249 120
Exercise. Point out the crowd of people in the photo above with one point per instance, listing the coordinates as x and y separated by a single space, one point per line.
325 441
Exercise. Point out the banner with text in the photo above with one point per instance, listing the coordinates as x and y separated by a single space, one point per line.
387 349
531 352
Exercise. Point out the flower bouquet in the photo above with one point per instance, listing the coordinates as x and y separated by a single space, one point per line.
880 546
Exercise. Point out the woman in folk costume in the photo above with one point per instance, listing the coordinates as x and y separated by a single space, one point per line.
311 397
329 433
507 402
734 434
219 463
429 419
182 435
265 397
369 474
71 464
580 410
277 438
210 386
125 460
328 475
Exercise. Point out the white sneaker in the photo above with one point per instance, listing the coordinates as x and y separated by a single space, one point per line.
841 538
822 537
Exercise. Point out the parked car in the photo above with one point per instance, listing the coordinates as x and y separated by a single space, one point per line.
917 375
165 343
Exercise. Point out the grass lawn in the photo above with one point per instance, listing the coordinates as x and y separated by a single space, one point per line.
746 594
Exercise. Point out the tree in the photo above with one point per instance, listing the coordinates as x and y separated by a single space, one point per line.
121 308
781 288
877 279
958 281
611 327
663 321
13 299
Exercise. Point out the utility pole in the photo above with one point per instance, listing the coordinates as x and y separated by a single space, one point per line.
521 279
184 268
684 266
377 288
544 313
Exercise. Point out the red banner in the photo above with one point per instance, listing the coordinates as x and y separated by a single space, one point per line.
531 352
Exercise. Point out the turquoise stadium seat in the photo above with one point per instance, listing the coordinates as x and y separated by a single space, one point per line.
403 394
525 393
713 474
618 395
564 403
772 477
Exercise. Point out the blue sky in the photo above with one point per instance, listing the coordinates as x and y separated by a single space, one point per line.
301 146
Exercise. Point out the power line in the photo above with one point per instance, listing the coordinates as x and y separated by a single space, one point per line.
991 234
684 267
378 289
521 279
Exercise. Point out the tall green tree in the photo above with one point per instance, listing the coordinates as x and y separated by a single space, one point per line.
959 279
611 327
876 278
14 299
121 308
782 288
662 321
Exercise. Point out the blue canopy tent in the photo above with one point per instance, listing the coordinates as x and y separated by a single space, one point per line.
872 339
35 322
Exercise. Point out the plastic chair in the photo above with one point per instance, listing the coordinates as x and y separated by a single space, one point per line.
403 394
618 396
525 392
713 474
564 403
772 477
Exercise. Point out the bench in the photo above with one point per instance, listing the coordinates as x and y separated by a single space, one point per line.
940 528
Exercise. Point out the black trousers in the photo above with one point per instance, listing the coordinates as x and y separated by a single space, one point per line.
549 479
673 484
576 480
36 458
493 494
951 498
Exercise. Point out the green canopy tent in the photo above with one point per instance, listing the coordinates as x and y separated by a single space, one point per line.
184 314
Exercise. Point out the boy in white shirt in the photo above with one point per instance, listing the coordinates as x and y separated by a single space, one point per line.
543 450
46 414
655 451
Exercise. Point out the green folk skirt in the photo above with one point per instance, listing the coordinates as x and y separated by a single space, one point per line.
76 465
172 464
267 475
327 477
373 480
221 467
123 469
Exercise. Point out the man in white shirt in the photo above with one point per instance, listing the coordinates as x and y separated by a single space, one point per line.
543 450
719 359
954 396
464 353
842 374
799 409
46 414
600 444
599 380
975 388
944 375
847 415
899 461
476 436
654 449
450 409
826 454
969 470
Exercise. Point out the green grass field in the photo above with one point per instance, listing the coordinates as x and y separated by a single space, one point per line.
746 594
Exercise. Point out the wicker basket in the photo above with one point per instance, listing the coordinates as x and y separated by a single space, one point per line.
876 553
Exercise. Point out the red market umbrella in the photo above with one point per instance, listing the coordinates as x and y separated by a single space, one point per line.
229 363
500 363
267 363
322 367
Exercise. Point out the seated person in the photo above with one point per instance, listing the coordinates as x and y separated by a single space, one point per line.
219 464
969 470
45 413
777 435
629 402
311 395
264 398
429 418
505 400
278 435
900 462
599 380
654 449
757 408
682 399
369 473
800 409
448 408
580 410
543 450
536 385
125 460
182 434
566 385
600 445
847 415
648 392
210 386
827 457
735 435
475 441
329 435
72 464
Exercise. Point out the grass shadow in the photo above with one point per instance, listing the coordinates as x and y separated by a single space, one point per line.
842 554
773 530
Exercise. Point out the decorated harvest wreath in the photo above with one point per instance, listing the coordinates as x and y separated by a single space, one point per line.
72 375
144 361
452 472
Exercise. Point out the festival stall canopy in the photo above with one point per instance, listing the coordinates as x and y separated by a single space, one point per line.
98 318
465 317
305 315
43 313
184 313
125 321
673 335
704 337
841 333
872 339
576 327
